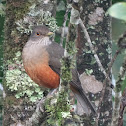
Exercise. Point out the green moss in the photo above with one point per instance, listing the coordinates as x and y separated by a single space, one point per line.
59 110
71 49
15 10
68 63
66 74
60 17
20 8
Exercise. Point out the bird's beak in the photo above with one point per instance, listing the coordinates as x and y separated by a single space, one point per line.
50 33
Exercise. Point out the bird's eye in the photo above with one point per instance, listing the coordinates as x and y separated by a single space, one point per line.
37 33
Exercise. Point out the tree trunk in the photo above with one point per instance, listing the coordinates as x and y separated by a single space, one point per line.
98 27
18 110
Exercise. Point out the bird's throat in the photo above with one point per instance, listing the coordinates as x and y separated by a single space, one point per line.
35 54
38 42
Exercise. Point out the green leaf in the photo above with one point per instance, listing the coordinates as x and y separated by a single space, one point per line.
118 11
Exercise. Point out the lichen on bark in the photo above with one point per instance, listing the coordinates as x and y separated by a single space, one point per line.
16 109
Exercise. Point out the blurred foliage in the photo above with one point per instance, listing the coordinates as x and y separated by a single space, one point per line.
1 106
1 63
60 20
2 12
124 85
1 48
124 120
118 10
2 7
60 17
115 1
118 28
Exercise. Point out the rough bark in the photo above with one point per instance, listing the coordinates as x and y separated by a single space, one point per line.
17 111
98 26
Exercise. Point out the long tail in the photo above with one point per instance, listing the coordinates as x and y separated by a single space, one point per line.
79 93
83 100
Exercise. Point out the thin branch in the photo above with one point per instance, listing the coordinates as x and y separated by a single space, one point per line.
93 50
64 25
113 60
77 20
121 44
61 41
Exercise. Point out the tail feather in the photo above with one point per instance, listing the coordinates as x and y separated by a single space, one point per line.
83 100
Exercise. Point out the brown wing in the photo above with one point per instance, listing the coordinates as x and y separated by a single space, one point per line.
55 52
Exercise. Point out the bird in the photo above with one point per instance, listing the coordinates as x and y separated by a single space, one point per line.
41 60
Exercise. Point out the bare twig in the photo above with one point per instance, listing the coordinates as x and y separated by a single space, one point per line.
121 46
64 25
93 50
113 60
122 42
77 20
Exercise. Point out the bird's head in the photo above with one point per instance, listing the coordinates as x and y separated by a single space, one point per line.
40 35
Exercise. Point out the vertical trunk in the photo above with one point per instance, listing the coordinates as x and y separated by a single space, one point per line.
98 27
16 111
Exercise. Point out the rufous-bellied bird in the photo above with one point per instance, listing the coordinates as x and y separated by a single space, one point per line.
41 59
